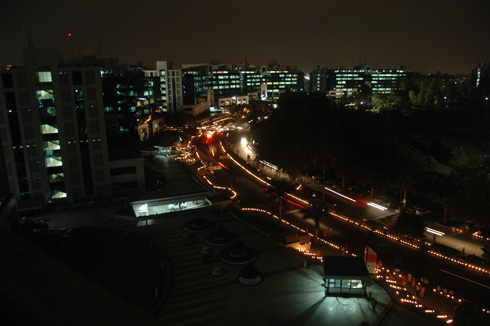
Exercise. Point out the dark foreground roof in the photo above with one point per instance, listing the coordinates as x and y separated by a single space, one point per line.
344 267
44 291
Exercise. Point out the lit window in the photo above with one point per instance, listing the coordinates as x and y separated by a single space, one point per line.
53 161
44 77
51 145
47 129
56 194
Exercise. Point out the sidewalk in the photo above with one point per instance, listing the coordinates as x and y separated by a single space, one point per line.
435 301
451 239
457 240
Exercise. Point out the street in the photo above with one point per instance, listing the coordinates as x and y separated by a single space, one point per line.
462 281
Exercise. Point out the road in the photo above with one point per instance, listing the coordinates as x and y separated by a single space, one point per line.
472 284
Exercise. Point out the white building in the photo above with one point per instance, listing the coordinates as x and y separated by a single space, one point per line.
53 132
171 87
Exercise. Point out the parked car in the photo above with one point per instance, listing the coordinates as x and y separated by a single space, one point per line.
420 211
35 226
417 210
177 206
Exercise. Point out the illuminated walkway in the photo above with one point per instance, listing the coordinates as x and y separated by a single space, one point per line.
289 294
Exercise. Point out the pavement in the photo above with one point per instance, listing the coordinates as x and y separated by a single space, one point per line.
289 293
452 238
435 301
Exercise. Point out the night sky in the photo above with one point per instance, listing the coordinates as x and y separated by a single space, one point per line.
427 35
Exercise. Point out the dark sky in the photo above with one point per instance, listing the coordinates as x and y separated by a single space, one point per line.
427 35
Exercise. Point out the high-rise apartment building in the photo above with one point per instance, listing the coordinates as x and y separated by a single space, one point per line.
170 87
317 80
480 78
9 218
53 131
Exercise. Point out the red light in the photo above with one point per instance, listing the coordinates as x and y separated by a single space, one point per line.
69 34
289 201
222 165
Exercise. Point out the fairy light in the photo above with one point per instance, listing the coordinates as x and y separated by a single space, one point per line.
474 267
346 219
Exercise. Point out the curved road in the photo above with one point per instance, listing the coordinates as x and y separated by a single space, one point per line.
473 284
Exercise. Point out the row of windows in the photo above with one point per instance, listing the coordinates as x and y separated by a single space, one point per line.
345 78
280 83
383 89
384 82
44 77
229 77
226 87
347 75
388 75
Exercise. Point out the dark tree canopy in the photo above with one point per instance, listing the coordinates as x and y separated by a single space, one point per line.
390 150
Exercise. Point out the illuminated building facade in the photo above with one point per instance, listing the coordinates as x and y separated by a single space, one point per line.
228 81
170 87
342 82
317 80
9 218
386 81
276 82
350 80
200 78
480 78
54 133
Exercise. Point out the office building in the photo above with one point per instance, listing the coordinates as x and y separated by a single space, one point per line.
276 81
480 78
343 82
170 87
53 132
317 80
9 218
228 81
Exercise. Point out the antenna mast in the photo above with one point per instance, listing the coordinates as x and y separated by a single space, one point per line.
29 43
100 46
71 46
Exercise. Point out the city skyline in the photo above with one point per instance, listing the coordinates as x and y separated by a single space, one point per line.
427 37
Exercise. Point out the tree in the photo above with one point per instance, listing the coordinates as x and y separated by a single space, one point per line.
409 225
486 251
443 187
363 95
316 210
472 190
464 313
381 102
280 189
458 157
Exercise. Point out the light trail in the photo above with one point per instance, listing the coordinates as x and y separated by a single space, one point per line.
377 206
344 218
480 269
464 278
339 194
434 231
